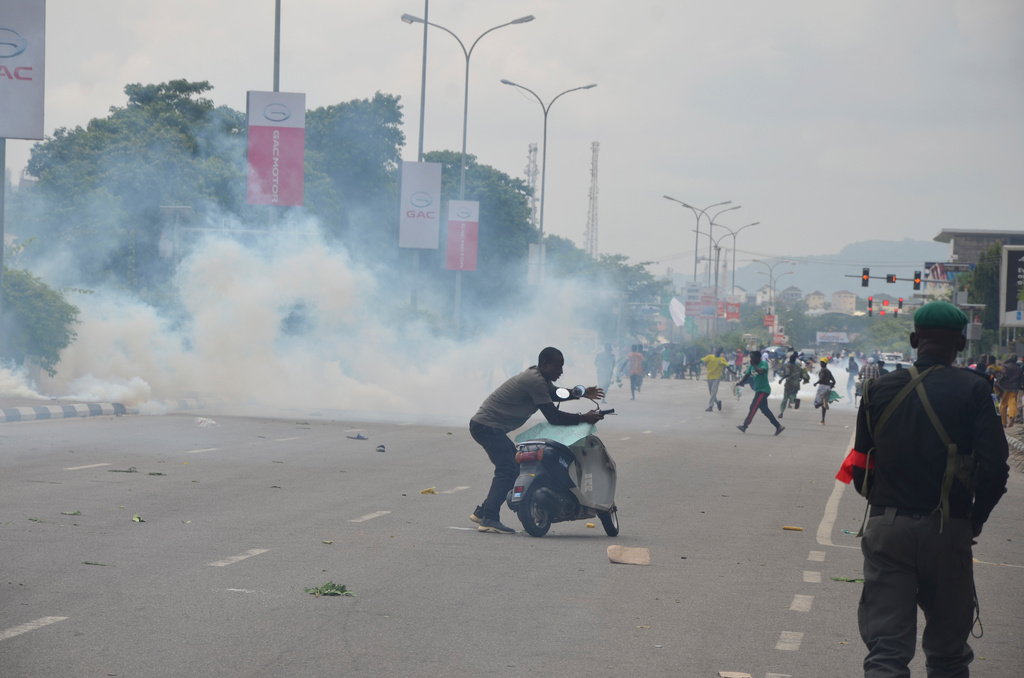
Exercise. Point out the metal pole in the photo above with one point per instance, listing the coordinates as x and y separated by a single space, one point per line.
3 204
277 46
413 299
542 258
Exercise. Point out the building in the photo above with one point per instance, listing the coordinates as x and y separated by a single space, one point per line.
763 296
844 302
966 247
815 301
791 295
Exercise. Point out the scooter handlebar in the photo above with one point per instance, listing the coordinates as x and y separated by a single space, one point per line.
611 411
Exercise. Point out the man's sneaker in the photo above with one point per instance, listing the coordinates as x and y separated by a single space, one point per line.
709 410
719 405
780 430
478 515
742 428
489 525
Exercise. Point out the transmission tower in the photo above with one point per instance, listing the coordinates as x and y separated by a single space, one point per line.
590 233
531 181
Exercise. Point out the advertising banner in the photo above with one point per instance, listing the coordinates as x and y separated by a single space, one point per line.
22 60
692 299
707 304
832 338
732 310
277 147
1011 281
463 233
419 196
769 320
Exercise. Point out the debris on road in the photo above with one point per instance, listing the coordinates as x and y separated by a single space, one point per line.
629 555
137 518
380 448
591 525
329 589
429 490
130 469
854 581
793 529
71 513
358 436
204 422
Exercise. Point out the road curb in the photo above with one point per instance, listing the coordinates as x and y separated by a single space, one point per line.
81 410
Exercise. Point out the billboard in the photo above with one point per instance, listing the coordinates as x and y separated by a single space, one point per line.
22 60
1011 281
277 147
463 234
419 196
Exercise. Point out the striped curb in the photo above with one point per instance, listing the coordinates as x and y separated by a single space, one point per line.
81 410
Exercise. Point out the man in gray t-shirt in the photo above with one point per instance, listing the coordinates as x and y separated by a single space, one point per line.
507 409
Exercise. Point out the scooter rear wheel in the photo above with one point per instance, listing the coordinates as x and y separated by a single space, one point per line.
534 516
610 521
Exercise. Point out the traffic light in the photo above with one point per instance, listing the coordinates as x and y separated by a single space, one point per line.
901 303
890 278
896 313
917 280
865 274
871 301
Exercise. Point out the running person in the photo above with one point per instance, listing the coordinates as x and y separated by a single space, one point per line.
825 383
716 363
757 372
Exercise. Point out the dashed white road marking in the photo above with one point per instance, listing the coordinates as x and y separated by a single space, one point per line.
817 556
801 603
234 559
623 439
460 488
369 516
777 675
812 577
284 440
789 640
205 449
646 432
452 527
79 468
30 626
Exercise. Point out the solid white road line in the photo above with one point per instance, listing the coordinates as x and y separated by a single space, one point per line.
817 556
284 440
205 449
79 468
801 603
460 488
234 559
369 516
30 626
812 577
828 519
789 640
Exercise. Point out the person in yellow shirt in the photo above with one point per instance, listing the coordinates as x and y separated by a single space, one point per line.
715 364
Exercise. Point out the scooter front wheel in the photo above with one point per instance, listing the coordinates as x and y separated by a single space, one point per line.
535 517
610 521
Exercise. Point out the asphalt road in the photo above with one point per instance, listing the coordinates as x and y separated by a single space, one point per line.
241 517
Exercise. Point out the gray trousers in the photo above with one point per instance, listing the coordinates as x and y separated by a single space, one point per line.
713 391
907 564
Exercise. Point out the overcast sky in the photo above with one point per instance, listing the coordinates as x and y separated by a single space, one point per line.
829 122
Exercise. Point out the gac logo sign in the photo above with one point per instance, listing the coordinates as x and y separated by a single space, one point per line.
277 112
463 213
12 43
421 200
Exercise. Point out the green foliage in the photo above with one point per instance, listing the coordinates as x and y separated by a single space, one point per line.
982 286
38 322
329 589
886 334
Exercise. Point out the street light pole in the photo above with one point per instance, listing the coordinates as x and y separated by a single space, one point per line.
771 285
410 19
544 159
711 226
697 213
734 234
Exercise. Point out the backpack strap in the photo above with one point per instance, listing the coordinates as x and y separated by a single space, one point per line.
951 457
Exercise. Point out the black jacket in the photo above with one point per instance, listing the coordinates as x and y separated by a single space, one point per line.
910 457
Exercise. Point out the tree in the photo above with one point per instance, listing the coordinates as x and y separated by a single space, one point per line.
982 285
38 322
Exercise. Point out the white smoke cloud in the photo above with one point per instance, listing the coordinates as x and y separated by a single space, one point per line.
287 323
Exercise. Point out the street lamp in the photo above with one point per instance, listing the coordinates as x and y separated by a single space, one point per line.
771 282
718 252
410 19
699 213
734 234
544 158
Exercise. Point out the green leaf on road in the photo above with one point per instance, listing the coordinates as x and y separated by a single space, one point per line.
329 589
137 518
71 513
855 581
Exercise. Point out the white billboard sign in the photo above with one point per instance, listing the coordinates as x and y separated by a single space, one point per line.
419 218
22 59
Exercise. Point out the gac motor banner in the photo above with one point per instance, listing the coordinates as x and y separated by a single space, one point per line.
419 205
463 232
22 57
277 147
1011 282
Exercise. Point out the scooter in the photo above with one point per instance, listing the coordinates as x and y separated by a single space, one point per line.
565 473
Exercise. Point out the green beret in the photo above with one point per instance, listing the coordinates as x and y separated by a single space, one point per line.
940 315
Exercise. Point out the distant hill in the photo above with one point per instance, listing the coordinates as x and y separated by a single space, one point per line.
827 273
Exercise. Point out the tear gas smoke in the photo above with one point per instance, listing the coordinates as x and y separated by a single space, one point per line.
290 324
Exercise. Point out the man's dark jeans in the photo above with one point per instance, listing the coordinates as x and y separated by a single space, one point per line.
502 452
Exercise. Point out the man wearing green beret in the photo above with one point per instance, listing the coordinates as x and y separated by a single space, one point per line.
930 456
